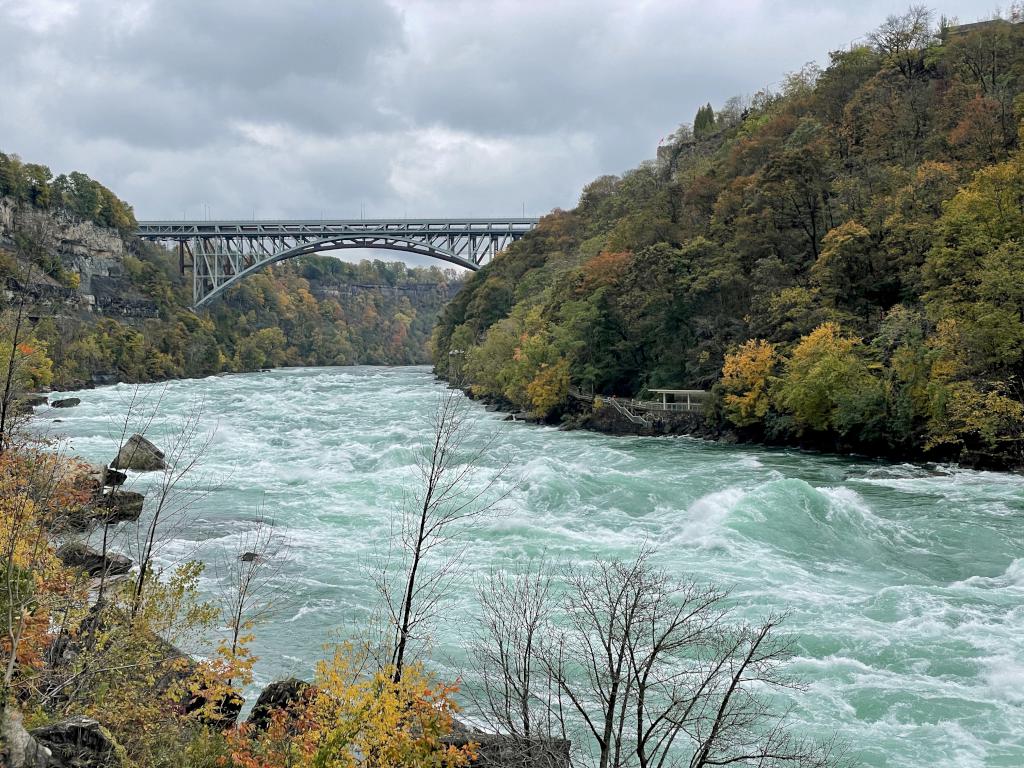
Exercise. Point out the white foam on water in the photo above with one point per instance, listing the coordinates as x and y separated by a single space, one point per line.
1005 678
1011 578
903 584
703 522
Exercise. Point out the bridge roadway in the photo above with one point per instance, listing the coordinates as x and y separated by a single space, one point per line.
221 252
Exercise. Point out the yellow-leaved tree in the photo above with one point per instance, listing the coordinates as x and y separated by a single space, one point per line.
746 374
828 385
348 719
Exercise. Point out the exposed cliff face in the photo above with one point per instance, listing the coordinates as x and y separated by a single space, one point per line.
96 255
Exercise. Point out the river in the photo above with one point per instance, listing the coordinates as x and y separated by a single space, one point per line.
904 584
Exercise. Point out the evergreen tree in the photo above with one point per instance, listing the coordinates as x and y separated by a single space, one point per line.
704 122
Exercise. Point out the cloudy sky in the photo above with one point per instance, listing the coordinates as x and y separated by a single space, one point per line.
314 108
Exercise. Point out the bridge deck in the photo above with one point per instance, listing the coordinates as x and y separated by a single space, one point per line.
171 229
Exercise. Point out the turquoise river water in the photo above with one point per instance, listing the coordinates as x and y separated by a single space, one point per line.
904 584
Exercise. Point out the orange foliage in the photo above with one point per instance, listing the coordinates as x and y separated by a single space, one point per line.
606 269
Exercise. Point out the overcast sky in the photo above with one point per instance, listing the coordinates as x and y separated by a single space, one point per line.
399 107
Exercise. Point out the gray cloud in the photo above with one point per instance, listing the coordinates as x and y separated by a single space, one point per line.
404 107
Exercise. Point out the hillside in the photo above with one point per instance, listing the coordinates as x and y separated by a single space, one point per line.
104 306
840 261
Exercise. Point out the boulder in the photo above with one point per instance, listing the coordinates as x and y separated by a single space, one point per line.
112 477
221 713
68 402
139 454
93 478
119 506
19 408
103 476
81 742
282 694
17 747
507 751
92 562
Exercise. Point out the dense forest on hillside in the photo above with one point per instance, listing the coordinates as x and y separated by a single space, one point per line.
316 310
35 185
840 261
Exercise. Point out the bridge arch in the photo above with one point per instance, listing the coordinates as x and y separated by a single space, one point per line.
220 253
406 244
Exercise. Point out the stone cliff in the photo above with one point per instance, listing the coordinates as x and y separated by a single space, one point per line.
92 259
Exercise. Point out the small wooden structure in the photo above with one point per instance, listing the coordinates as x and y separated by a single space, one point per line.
677 400
640 411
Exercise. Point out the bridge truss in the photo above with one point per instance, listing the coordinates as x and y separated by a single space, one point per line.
220 253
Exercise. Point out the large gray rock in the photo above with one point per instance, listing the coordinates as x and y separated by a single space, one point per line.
18 749
282 694
113 506
139 454
68 402
81 742
92 562
119 506
505 751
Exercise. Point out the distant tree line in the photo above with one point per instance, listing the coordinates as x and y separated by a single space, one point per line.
274 318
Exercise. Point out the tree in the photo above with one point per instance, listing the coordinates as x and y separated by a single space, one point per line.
846 272
36 492
969 271
704 122
347 719
901 39
989 59
251 582
746 375
454 491
656 672
508 656
827 385
178 488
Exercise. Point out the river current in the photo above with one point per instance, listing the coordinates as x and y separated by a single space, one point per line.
904 584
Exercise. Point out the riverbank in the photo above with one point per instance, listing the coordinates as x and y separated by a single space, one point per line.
579 415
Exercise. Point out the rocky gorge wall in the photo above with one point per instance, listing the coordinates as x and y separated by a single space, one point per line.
91 256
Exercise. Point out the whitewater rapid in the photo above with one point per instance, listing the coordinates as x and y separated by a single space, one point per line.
904 585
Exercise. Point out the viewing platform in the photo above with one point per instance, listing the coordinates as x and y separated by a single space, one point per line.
643 412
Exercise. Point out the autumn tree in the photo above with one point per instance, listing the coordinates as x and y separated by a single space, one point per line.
902 38
349 719
827 385
847 271
969 273
746 378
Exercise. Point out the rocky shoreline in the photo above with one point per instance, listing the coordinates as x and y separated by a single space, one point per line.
609 421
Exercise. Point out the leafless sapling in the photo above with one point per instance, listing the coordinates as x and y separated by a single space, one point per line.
455 490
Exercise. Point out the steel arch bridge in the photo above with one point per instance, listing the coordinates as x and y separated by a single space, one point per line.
220 253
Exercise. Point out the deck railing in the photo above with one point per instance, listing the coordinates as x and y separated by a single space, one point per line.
658 405
621 404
